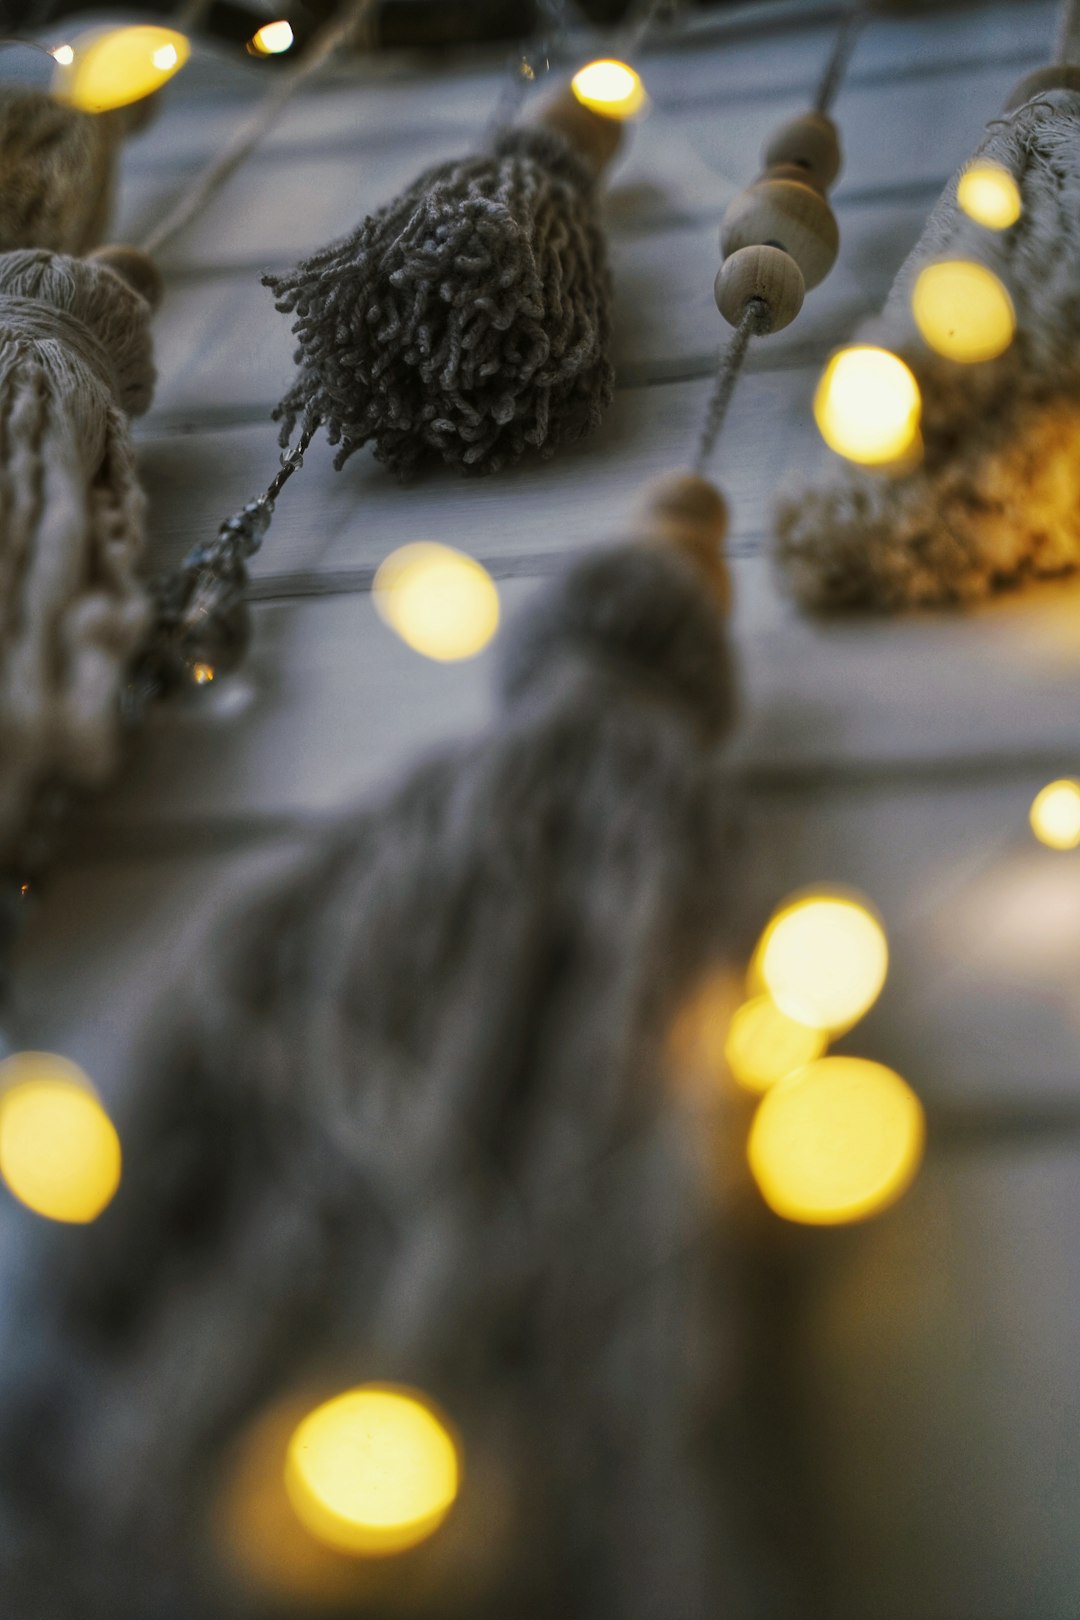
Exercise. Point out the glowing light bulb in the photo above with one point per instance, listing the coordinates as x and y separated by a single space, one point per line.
115 66
373 1471
989 195
272 38
868 406
963 311
439 601
610 88
1055 814
202 674
63 54
839 1141
59 1151
765 1044
823 959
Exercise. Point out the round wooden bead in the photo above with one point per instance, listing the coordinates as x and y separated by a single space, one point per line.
135 267
595 137
1056 76
767 274
811 142
786 214
790 171
686 511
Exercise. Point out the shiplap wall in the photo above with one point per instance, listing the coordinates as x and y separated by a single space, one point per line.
929 1359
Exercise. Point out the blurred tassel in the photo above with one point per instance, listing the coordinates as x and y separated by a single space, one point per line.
75 362
407 1123
57 171
995 497
470 318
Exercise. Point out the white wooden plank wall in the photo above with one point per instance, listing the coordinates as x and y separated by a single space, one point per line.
932 1354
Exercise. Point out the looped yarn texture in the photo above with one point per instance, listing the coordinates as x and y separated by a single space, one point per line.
469 319
996 496
75 360
57 168
405 1118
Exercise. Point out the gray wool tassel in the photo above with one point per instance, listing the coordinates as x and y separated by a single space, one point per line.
57 170
470 318
995 498
406 1123
75 363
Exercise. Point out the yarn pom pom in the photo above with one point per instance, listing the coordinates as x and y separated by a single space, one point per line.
56 172
469 318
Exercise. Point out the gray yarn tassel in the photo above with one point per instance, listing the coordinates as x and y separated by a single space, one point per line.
75 363
406 1123
470 318
57 171
996 497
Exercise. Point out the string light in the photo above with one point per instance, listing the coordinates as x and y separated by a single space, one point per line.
868 406
272 39
989 195
62 54
202 674
611 88
963 311
439 601
823 959
59 1152
764 1044
839 1141
373 1471
1055 814
114 67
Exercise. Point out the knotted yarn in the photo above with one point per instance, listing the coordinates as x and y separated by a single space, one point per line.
75 363
995 497
470 318
57 171
405 1120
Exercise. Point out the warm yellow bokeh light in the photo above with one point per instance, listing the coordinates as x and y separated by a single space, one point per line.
868 406
840 1140
113 67
765 1044
272 38
823 959
963 311
202 674
373 1471
59 1151
610 88
989 195
1055 814
441 602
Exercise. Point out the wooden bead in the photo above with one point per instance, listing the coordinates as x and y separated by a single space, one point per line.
764 273
135 267
595 137
686 511
791 171
1056 76
811 142
786 214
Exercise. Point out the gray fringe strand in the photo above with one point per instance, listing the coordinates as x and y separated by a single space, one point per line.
406 1123
996 496
469 318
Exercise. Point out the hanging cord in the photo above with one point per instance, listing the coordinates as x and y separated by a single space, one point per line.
847 36
754 320
529 63
1068 38
346 28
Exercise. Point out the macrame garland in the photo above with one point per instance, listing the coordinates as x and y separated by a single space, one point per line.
469 319
406 1123
75 364
994 498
